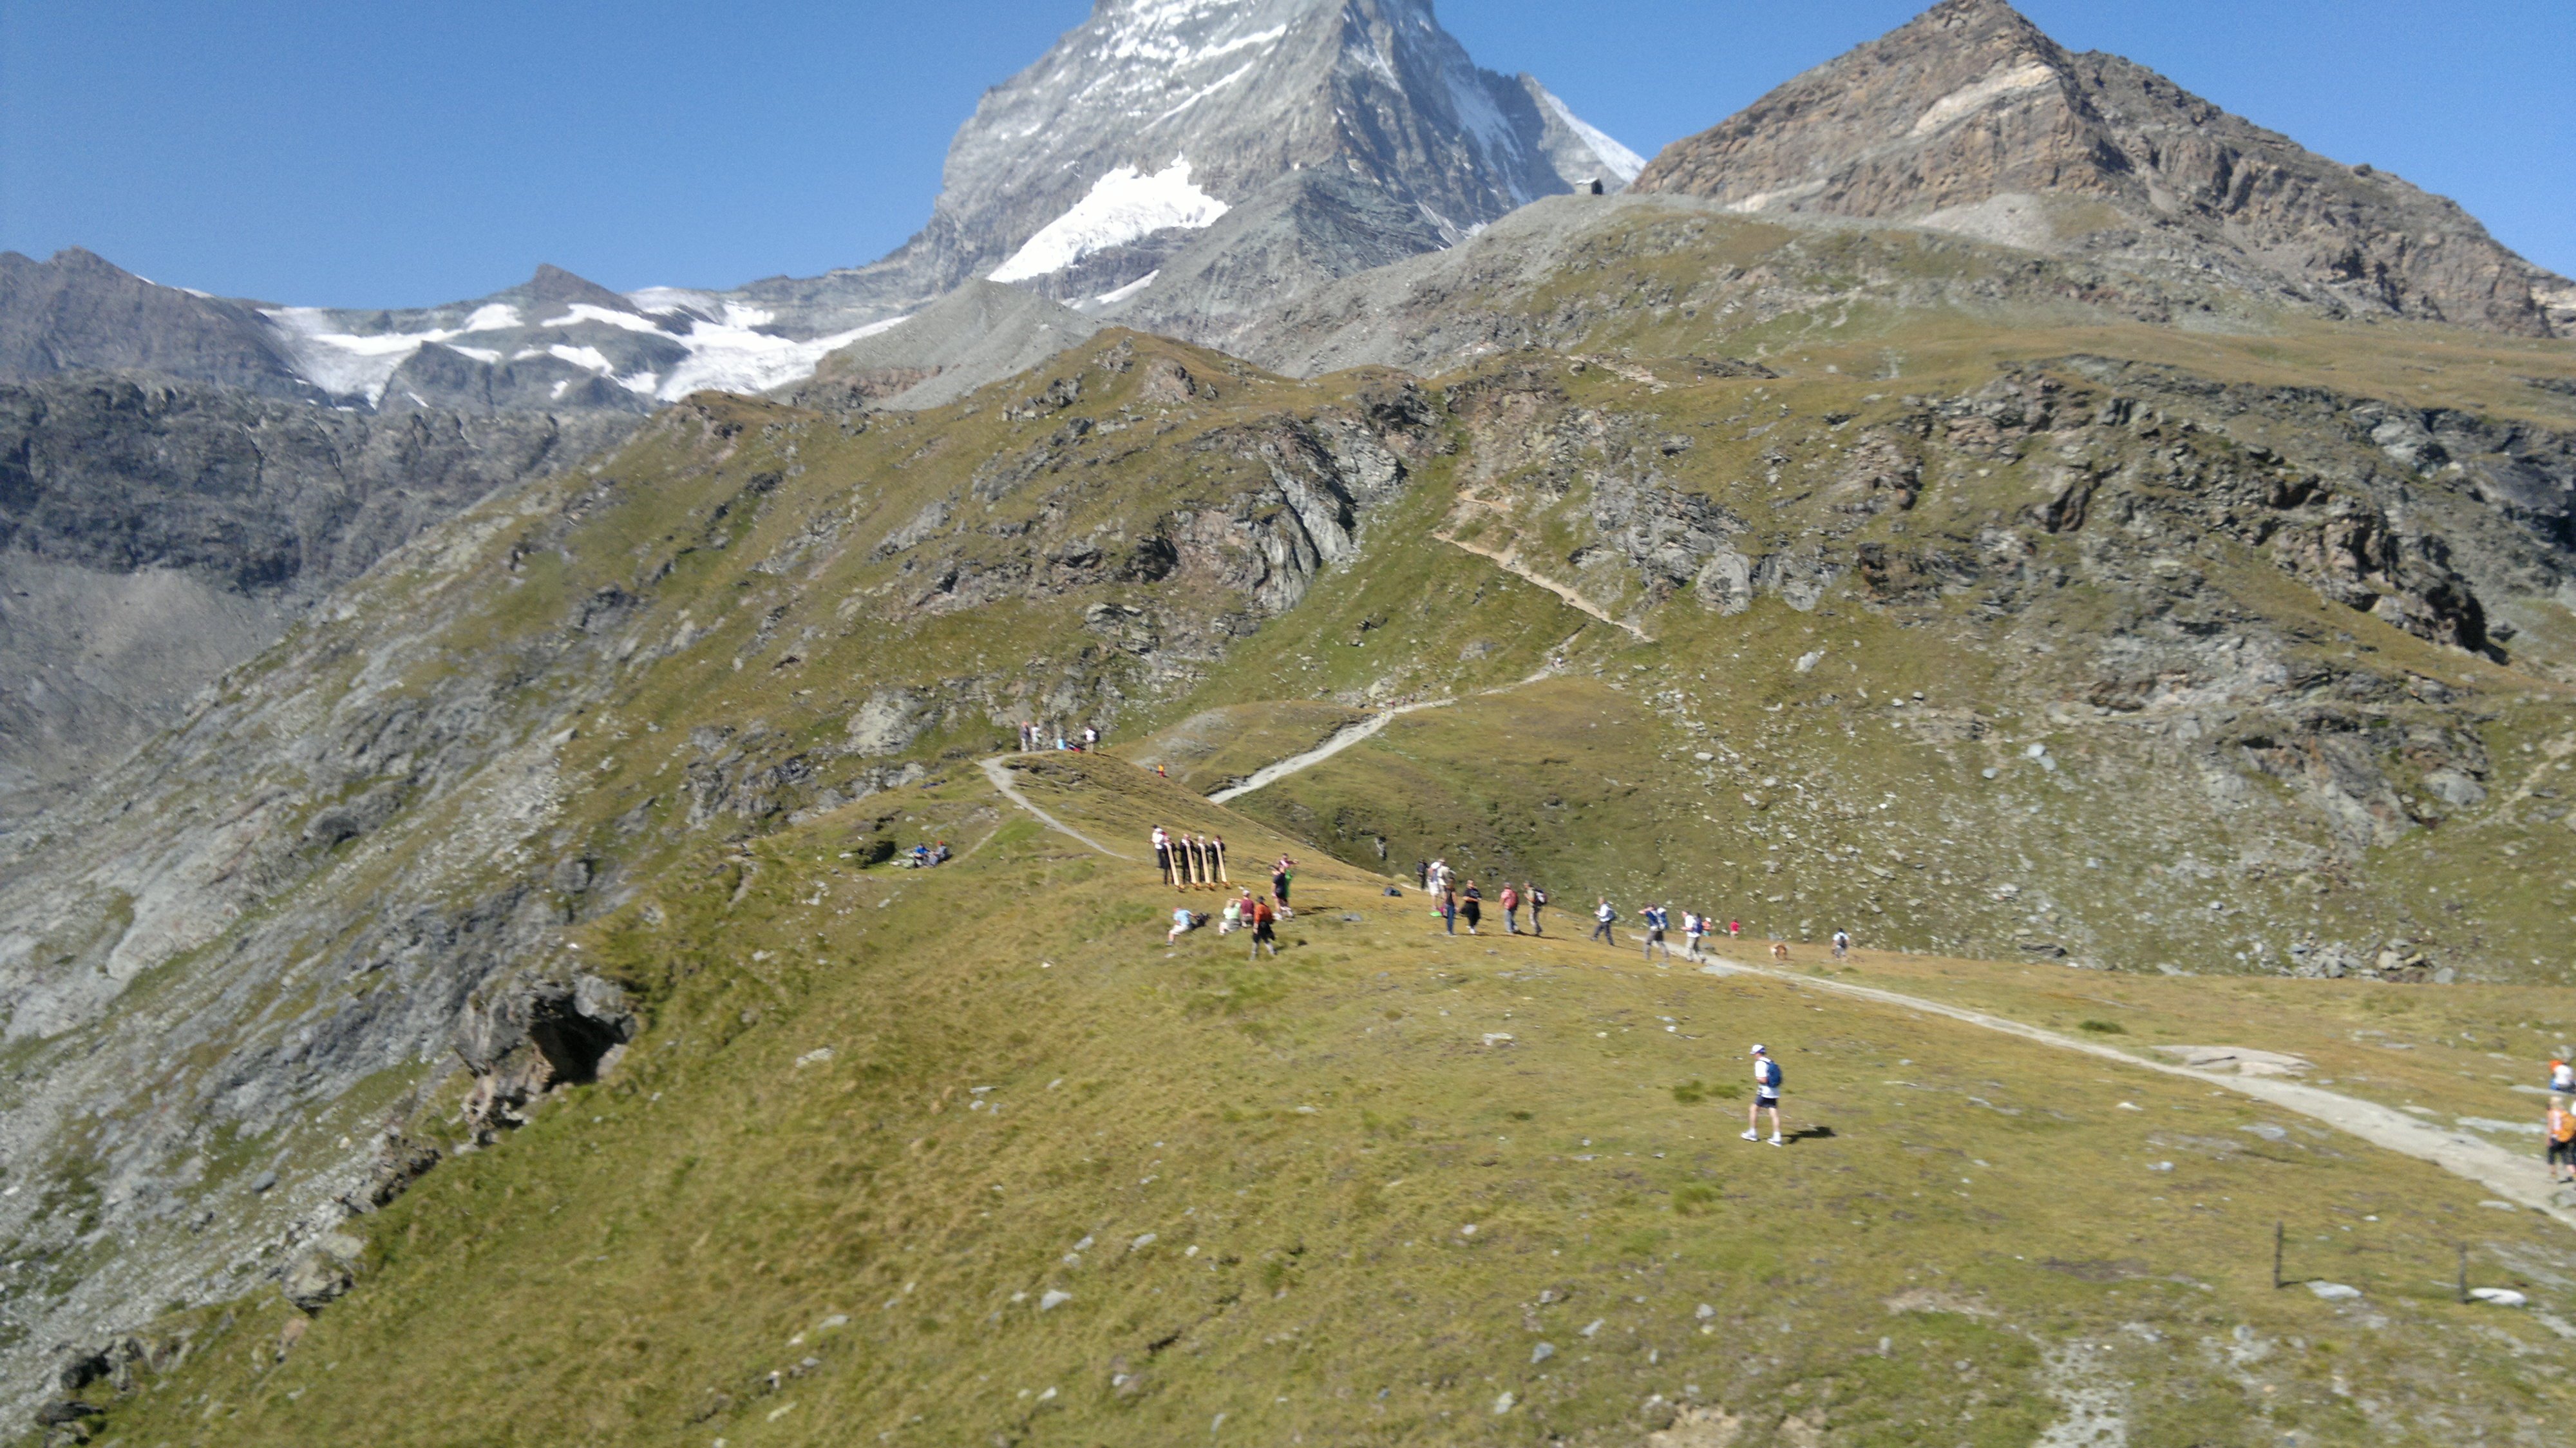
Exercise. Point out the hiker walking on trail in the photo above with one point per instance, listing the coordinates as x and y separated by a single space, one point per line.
1694 925
1602 915
1473 906
1511 909
1216 857
1163 853
1263 918
1766 1096
1842 944
2562 1141
1537 899
1656 922
1734 929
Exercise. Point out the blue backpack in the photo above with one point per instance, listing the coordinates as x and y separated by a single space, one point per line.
1771 1075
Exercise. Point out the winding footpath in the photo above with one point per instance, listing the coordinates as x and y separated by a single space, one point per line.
998 770
2511 1176
1270 774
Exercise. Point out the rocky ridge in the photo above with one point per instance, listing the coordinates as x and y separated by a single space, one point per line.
154 533
1969 118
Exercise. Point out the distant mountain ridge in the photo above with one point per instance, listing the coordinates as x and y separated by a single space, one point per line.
1970 119
1121 147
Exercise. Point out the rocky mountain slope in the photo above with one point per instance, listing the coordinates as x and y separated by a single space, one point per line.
154 533
1330 138
517 939
1970 119
2180 636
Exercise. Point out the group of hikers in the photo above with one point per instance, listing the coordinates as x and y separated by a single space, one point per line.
925 855
1455 902
1034 737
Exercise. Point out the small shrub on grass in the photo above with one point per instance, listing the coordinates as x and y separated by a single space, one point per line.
1691 1093
2103 1028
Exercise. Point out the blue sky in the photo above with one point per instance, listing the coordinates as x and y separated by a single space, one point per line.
373 154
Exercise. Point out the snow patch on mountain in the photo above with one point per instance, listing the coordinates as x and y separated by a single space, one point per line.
1623 163
589 312
729 358
1122 206
346 363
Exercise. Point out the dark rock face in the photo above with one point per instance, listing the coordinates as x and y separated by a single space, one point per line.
155 532
78 311
1970 119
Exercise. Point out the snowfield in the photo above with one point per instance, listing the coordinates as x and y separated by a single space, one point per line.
1122 206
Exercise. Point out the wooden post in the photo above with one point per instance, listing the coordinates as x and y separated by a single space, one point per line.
2277 1231
2464 1271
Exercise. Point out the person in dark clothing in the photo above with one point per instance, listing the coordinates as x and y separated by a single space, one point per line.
1195 872
1163 853
1216 857
1279 879
1423 869
1472 906
1449 910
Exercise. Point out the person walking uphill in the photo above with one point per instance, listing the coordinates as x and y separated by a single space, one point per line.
1511 909
1537 899
1766 1095
1602 915
1656 923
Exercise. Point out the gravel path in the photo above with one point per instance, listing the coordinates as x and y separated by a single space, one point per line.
999 772
1344 739
2516 1177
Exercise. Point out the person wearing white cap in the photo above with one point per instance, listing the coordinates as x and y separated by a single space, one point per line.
1766 1093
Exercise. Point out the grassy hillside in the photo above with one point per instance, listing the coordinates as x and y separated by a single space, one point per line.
1392 1186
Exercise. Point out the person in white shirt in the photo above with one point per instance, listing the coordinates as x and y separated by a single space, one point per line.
1163 853
1766 1096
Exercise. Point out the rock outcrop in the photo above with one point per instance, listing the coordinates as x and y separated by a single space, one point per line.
1970 119
155 532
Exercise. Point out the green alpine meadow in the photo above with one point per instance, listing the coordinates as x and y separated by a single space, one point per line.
2115 565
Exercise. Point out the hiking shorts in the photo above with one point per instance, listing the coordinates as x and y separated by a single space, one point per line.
2562 1153
1761 1101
